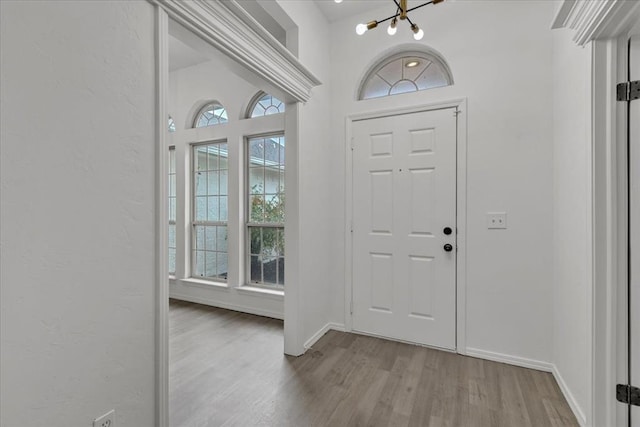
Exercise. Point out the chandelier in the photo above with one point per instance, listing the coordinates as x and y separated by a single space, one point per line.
402 13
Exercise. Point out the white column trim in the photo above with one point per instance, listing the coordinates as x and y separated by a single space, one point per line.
228 27
162 219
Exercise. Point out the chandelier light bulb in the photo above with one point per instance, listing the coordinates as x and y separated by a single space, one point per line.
418 34
361 29
392 27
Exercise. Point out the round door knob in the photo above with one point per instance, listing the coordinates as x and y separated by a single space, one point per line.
447 230
448 247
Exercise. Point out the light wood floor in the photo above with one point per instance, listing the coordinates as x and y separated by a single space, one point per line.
228 369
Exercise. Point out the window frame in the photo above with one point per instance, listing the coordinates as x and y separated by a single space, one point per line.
426 54
248 224
193 223
201 110
174 222
254 102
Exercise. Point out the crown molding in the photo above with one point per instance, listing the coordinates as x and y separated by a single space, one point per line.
228 27
596 19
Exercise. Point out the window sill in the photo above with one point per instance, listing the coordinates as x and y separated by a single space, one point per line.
204 284
257 291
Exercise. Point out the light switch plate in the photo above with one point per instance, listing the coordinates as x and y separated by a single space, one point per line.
496 220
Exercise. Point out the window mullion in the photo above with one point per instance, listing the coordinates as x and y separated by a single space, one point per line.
181 206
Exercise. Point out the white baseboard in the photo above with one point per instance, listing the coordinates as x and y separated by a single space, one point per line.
573 404
326 328
234 307
511 360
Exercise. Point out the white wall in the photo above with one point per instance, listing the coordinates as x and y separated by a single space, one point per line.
572 245
500 56
320 184
77 213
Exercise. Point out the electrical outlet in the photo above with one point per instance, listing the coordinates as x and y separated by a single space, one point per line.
107 420
496 220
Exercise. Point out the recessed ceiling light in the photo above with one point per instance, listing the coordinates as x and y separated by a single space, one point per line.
412 64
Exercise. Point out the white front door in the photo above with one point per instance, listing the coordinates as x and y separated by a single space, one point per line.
404 218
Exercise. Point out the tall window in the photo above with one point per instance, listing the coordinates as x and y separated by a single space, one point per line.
210 115
263 105
210 211
171 124
172 211
266 201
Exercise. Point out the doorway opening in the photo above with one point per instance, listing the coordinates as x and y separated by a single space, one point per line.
222 179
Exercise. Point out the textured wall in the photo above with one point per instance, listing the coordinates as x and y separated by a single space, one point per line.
77 213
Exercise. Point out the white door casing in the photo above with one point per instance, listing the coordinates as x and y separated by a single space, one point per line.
634 227
404 195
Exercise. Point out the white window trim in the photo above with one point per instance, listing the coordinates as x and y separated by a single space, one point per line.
193 222
235 133
409 50
248 224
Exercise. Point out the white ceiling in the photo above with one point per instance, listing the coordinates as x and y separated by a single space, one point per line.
337 11
183 56
349 8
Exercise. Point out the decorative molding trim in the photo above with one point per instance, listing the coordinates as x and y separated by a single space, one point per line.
326 328
573 404
227 306
228 27
594 19
510 360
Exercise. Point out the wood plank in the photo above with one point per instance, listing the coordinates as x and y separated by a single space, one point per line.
228 369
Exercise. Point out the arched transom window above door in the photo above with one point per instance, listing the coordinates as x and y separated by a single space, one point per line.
405 72
211 114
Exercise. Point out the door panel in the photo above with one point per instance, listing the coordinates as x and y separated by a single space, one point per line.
404 195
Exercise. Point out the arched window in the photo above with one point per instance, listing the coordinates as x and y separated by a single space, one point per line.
210 115
264 104
405 72
172 125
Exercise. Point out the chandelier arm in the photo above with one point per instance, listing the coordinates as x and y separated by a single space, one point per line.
418 7
409 20
382 20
